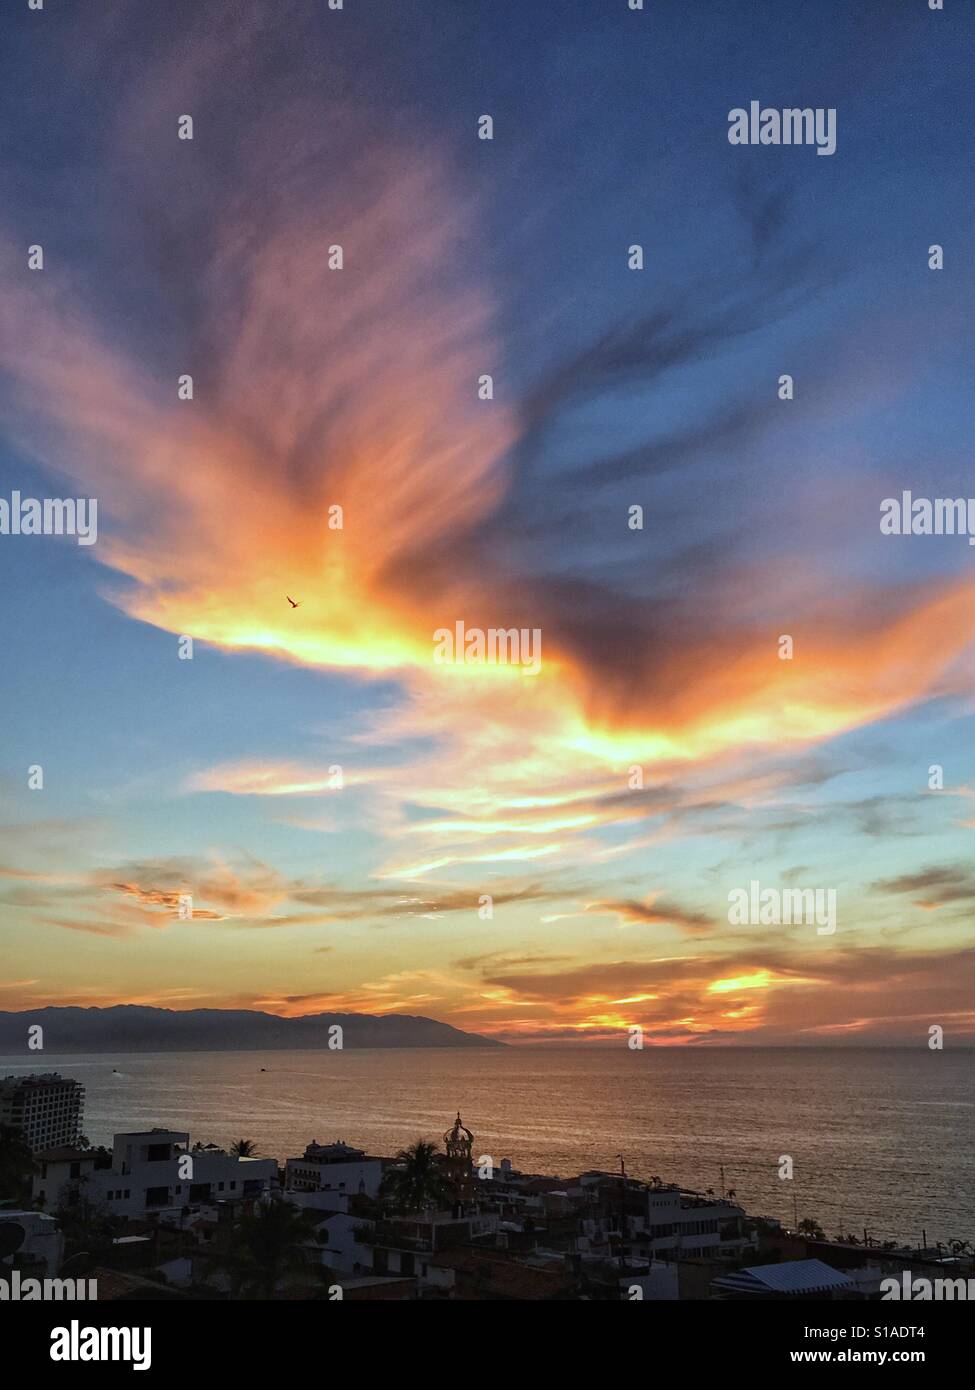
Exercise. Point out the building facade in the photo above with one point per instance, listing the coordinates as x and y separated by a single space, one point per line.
47 1108
679 1223
152 1174
335 1169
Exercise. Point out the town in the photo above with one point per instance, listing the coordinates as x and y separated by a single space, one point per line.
156 1217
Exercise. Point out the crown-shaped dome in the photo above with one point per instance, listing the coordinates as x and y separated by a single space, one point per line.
458 1139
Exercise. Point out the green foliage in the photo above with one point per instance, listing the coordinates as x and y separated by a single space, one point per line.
89 1227
16 1167
417 1183
265 1250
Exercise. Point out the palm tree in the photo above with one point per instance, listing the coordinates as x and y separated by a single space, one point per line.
267 1248
243 1148
417 1182
16 1166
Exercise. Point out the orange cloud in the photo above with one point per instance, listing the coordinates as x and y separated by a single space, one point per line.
357 389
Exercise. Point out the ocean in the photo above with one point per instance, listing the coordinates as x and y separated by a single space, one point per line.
882 1139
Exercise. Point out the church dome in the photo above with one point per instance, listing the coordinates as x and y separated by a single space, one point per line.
458 1139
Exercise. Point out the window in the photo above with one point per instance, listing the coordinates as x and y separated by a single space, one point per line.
157 1196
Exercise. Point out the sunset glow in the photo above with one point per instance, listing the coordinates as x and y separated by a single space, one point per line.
263 789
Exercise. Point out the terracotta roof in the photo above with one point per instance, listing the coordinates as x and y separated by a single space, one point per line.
506 1278
115 1284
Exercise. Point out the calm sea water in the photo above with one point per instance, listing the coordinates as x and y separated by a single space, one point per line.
882 1139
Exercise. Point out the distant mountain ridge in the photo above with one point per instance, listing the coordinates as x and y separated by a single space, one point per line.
139 1028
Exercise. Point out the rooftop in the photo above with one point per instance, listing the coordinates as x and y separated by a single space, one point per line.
41 1078
113 1284
790 1277
504 1277
150 1133
339 1152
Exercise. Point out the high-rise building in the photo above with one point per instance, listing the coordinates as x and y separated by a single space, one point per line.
47 1108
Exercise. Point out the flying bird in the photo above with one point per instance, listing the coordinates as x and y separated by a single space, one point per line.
292 602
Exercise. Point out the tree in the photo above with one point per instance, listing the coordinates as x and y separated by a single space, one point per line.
808 1227
265 1250
89 1227
417 1183
243 1148
16 1167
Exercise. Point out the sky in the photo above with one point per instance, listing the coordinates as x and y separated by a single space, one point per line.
539 855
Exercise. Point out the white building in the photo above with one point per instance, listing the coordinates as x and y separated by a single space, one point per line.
336 1169
679 1224
59 1173
337 1244
46 1108
153 1173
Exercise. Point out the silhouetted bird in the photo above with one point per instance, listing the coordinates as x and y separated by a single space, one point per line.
292 602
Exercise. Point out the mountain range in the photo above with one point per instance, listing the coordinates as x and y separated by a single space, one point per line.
137 1028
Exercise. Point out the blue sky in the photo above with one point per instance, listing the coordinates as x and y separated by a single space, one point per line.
612 388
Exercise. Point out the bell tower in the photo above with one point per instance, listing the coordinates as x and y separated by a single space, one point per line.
459 1164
